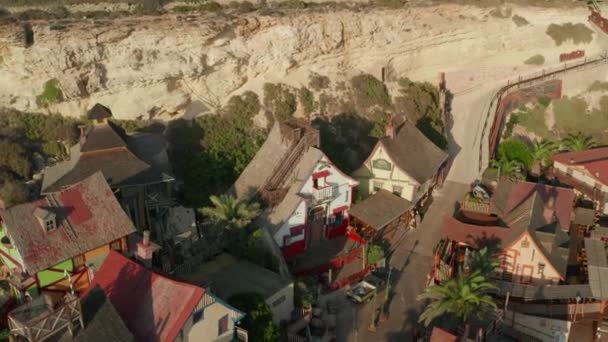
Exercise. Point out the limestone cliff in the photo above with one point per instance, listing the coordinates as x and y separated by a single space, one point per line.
171 66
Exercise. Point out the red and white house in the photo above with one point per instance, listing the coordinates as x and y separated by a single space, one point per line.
307 196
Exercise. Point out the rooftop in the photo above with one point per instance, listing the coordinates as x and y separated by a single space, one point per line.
413 152
153 307
597 259
219 276
98 112
595 161
123 159
87 216
380 209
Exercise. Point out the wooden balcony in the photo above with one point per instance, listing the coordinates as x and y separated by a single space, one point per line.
241 335
39 319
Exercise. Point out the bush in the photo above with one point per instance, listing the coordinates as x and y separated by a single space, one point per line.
13 158
50 94
279 101
294 4
375 253
544 100
307 99
598 86
258 321
303 293
520 21
578 33
318 82
52 149
369 92
535 60
246 105
253 248
12 191
513 120
516 150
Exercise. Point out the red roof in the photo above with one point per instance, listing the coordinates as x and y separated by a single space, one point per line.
594 160
471 234
153 307
563 205
440 335
87 216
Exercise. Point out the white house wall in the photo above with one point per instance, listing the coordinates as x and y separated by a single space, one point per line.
581 174
281 304
394 177
343 186
298 218
206 330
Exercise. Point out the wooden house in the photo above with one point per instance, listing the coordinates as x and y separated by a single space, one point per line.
136 167
307 196
61 237
156 308
403 162
585 171
530 225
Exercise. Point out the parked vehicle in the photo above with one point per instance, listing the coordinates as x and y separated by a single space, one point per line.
361 292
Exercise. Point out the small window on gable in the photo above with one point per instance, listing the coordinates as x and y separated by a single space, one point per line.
378 186
397 190
381 164
541 268
50 225
525 243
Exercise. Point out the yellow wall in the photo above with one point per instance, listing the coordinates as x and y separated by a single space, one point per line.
394 177
532 256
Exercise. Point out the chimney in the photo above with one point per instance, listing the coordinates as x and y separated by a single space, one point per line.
390 128
146 249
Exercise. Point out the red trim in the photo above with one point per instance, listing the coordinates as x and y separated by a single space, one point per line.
320 174
340 209
11 259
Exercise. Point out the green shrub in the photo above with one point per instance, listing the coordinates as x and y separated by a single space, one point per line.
520 21
513 120
13 158
392 3
50 94
544 100
303 297
246 105
318 82
12 192
307 99
500 13
52 149
598 86
279 101
516 150
375 253
294 4
578 33
535 60
258 321
369 92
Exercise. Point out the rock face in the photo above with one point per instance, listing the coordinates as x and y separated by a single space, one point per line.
175 66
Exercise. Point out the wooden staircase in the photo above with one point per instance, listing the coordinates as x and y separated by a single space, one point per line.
273 191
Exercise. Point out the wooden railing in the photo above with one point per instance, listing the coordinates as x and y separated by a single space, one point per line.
241 335
323 194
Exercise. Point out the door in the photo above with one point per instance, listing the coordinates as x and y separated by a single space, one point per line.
526 274
316 222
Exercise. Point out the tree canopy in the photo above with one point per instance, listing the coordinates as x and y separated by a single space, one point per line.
258 321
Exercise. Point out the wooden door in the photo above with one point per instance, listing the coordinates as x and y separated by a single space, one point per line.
526 274
316 222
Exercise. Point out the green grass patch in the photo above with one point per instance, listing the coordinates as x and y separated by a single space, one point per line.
533 120
520 21
370 91
535 60
50 94
571 116
598 86
577 33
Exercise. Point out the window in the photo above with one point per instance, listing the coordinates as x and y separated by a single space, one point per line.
278 301
541 268
78 261
115 245
397 190
198 315
378 186
337 218
533 252
222 325
381 164
525 243
50 225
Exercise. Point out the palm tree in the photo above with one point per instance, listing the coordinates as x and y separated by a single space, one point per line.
230 212
464 296
509 168
541 154
578 142
483 262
